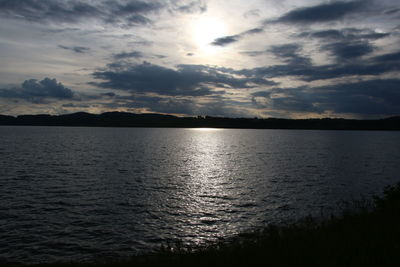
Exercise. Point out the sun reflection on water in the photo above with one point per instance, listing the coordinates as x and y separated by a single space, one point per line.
208 187
206 129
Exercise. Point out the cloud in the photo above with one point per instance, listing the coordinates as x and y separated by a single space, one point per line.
223 41
132 54
346 34
215 105
290 53
226 40
197 6
37 91
124 13
373 97
48 10
392 11
253 53
109 94
321 13
76 49
136 20
348 50
388 58
307 72
326 12
252 13
186 80
286 99
161 104
252 31
73 105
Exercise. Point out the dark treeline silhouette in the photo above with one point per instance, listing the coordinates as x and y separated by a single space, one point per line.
124 119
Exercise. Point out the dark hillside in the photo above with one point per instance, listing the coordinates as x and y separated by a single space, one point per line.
124 119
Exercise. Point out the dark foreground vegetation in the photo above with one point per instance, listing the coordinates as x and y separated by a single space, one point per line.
124 119
367 233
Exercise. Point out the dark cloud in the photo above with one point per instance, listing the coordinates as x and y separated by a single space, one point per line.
308 72
160 56
226 40
215 105
61 30
253 53
369 97
73 105
137 20
123 8
285 51
198 6
321 13
325 34
109 94
132 54
348 50
160 104
388 58
391 11
252 31
346 34
76 49
223 41
48 10
119 12
286 99
186 80
37 91
347 44
252 13
290 53
374 97
373 35
326 12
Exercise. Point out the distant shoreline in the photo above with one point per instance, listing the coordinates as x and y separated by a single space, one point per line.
125 119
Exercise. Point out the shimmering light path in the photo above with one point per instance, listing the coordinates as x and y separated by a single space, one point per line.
79 193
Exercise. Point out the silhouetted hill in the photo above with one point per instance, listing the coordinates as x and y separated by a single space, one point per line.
125 119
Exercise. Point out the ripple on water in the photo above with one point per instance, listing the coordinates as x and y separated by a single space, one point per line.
80 193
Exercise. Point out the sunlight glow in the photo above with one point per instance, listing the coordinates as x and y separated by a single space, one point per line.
205 129
205 30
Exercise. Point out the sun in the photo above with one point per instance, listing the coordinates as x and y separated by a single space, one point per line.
205 30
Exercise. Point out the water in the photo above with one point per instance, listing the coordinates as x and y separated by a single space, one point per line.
81 193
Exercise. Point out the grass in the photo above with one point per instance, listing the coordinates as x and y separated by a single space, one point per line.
366 233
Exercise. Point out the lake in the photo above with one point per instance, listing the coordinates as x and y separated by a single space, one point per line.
76 193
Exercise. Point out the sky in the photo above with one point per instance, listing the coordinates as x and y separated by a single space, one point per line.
237 58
